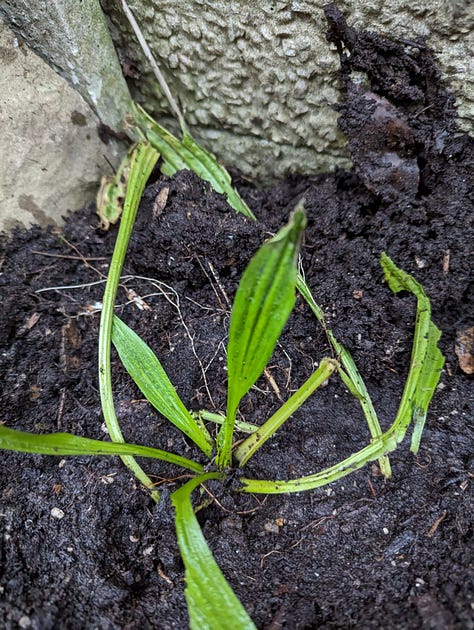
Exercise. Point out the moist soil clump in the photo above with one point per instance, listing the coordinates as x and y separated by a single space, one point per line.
83 546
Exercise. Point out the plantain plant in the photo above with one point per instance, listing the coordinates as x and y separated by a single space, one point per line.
264 300
263 303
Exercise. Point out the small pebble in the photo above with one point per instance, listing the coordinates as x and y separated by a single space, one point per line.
57 513
107 479
420 263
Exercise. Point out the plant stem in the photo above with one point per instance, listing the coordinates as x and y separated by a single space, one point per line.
224 440
351 376
386 443
143 159
249 446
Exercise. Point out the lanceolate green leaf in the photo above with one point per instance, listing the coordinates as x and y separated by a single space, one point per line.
188 154
148 373
426 360
68 444
264 300
212 604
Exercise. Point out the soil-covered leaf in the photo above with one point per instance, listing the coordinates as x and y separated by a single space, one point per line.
426 360
188 154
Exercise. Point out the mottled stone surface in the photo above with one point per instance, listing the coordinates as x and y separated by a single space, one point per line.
52 159
258 80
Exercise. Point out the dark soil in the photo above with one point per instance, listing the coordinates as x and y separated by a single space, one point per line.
363 552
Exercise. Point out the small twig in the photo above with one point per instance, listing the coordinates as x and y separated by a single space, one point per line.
218 282
83 258
209 309
34 251
62 400
160 202
422 110
211 282
428 460
163 575
446 261
288 370
372 489
156 70
436 524
270 553
252 511
214 498
317 522
163 480
273 383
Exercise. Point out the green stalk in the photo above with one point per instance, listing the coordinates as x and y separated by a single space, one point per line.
142 161
351 376
249 446
384 444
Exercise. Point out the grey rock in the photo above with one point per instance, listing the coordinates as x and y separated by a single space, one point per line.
74 39
52 158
